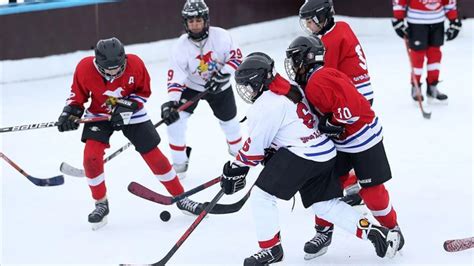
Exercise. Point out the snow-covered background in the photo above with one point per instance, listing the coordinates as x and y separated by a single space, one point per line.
431 161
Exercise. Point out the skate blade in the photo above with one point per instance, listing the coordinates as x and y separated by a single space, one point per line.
393 239
97 226
310 256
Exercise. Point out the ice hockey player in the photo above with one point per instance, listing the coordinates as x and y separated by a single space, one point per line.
118 85
421 23
202 59
296 157
348 119
344 53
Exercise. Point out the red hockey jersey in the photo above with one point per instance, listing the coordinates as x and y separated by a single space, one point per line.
133 84
425 11
344 53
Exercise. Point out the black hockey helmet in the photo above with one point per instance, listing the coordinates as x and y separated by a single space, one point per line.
321 12
110 59
194 9
253 76
304 53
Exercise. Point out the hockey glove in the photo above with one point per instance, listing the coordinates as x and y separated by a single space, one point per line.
122 113
453 29
233 178
169 112
67 117
400 27
325 126
217 82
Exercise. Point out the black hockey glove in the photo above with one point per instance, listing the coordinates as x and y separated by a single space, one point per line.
233 178
122 113
453 29
67 117
169 112
325 126
400 27
269 152
217 82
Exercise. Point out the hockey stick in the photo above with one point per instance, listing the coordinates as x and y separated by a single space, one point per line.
458 244
51 124
68 169
47 182
229 208
148 194
426 113
191 228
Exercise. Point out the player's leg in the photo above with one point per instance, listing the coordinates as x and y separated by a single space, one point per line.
224 108
418 44
96 137
145 139
177 135
373 170
436 40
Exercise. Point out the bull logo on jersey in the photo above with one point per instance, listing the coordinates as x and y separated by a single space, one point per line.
206 65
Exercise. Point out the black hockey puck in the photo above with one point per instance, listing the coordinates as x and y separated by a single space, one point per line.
165 216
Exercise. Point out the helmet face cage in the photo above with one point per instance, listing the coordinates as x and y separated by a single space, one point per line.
110 58
196 9
250 83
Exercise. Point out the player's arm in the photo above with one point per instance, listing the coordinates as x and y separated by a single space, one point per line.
177 75
143 89
74 104
399 14
455 24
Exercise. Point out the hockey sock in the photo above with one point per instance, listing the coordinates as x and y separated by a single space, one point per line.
232 133
348 180
266 217
94 167
338 212
177 138
417 59
271 242
434 64
378 202
161 167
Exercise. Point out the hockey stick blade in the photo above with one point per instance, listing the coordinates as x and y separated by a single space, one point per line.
47 182
229 208
148 194
458 244
70 170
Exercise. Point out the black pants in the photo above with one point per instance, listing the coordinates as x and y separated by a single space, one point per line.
222 104
286 173
143 135
421 36
371 166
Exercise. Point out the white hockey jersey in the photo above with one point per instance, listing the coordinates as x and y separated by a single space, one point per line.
193 63
274 121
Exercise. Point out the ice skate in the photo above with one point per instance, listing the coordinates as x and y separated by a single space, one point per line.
98 217
318 246
182 168
434 95
190 207
415 92
386 242
265 256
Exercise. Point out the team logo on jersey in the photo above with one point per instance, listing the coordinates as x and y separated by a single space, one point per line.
431 4
117 93
206 65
